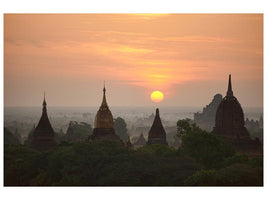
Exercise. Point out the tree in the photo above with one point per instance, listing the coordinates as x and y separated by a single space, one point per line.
121 129
10 138
78 131
183 127
203 146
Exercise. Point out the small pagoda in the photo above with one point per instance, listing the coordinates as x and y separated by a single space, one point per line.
157 134
43 135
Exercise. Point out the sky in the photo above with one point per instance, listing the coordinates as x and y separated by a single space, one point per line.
188 57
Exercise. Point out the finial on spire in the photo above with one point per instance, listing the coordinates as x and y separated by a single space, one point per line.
104 102
104 89
229 91
44 102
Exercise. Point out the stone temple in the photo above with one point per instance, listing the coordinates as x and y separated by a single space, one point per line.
104 123
206 119
43 135
157 134
230 124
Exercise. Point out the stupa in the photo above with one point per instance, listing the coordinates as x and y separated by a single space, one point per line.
230 124
43 135
229 120
157 134
104 123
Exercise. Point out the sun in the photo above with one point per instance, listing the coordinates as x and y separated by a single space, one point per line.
157 96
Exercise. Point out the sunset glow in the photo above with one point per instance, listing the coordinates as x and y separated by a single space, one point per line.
180 54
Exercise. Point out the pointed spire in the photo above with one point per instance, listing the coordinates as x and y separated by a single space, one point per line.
229 91
104 101
157 111
44 105
44 102
157 134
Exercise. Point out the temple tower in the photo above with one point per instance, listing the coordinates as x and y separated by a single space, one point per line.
104 123
43 135
229 120
157 134
230 124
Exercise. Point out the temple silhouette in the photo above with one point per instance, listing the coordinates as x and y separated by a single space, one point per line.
157 134
206 119
230 124
141 141
104 123
43 134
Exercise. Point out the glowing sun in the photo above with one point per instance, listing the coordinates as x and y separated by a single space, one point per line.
157 96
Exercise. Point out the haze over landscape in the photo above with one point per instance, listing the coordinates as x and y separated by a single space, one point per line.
133 100
70 57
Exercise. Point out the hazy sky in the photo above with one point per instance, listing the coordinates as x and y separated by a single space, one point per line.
187 57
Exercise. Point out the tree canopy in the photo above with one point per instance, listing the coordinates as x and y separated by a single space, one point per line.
121 128
205 147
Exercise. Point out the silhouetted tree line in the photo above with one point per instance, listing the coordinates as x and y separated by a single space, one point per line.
202 159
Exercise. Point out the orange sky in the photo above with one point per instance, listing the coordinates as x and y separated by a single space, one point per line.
186 56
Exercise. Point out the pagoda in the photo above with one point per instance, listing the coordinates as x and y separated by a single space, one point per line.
104 123
157 134
141 141
230 124
43 134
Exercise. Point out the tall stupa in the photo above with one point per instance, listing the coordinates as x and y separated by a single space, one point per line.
104 123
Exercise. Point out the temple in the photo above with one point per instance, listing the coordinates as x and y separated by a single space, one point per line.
141 141
230 124
206 119
43 135
104 123
157 134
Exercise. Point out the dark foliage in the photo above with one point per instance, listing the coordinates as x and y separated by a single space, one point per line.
95 163
120 127
205 147
77 132
10 138
233 175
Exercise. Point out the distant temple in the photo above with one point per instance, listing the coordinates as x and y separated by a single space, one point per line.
206 119
104 123
157 134
230 124
141 141
43 135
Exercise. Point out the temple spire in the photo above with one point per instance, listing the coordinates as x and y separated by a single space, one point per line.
104 101
229 91
157 112
44 105
44 102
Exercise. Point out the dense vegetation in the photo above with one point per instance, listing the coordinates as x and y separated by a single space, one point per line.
120 127
94 163
202 159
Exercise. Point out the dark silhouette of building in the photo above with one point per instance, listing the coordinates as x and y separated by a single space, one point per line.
43 135
206 119
230 124
157 134
104 123
141 141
